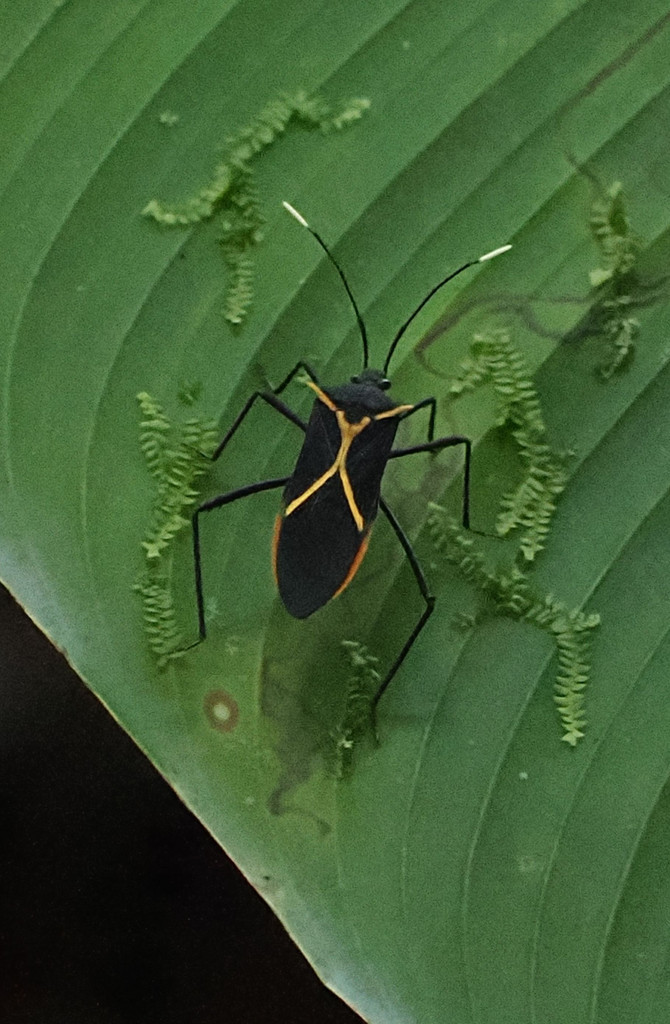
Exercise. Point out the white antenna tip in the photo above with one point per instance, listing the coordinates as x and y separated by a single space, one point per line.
489 255
294 213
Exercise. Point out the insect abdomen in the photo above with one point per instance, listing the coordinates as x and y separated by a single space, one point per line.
323 529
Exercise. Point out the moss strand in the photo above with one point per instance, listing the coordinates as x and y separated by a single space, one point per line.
231 188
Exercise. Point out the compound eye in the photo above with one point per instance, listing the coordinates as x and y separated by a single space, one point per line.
356 379
385 384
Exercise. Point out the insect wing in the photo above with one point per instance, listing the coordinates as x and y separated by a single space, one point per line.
318 545
366 464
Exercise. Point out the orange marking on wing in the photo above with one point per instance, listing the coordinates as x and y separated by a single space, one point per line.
275 546
355 565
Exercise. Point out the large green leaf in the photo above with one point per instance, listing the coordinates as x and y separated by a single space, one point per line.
473 868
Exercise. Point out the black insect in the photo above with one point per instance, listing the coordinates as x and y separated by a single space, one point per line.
331 500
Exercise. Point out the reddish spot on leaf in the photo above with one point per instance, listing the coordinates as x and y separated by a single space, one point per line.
222 710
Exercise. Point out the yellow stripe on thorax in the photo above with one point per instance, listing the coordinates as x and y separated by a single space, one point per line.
322 396
398 411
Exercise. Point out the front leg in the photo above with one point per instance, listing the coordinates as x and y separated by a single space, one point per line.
438 445
426 403
428 598
207 506
271 398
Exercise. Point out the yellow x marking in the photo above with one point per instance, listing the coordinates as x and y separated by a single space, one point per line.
348 432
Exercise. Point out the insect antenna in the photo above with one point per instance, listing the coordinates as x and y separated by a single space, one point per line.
470 263
361 326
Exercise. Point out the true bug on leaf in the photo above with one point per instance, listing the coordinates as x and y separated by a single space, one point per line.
331 499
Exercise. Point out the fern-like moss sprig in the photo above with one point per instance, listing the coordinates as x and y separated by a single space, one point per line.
531 505
356 720
615 281
611 228
508 592
164 637
174 455
231 188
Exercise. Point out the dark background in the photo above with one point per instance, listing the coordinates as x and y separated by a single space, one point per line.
116 906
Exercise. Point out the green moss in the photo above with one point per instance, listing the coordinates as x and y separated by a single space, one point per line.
362 685
508 592
231 192
176 455
531 505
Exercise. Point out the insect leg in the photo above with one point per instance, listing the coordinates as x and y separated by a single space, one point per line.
437 445
424 404
242 492
207 506
271 398
427 612
294 372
